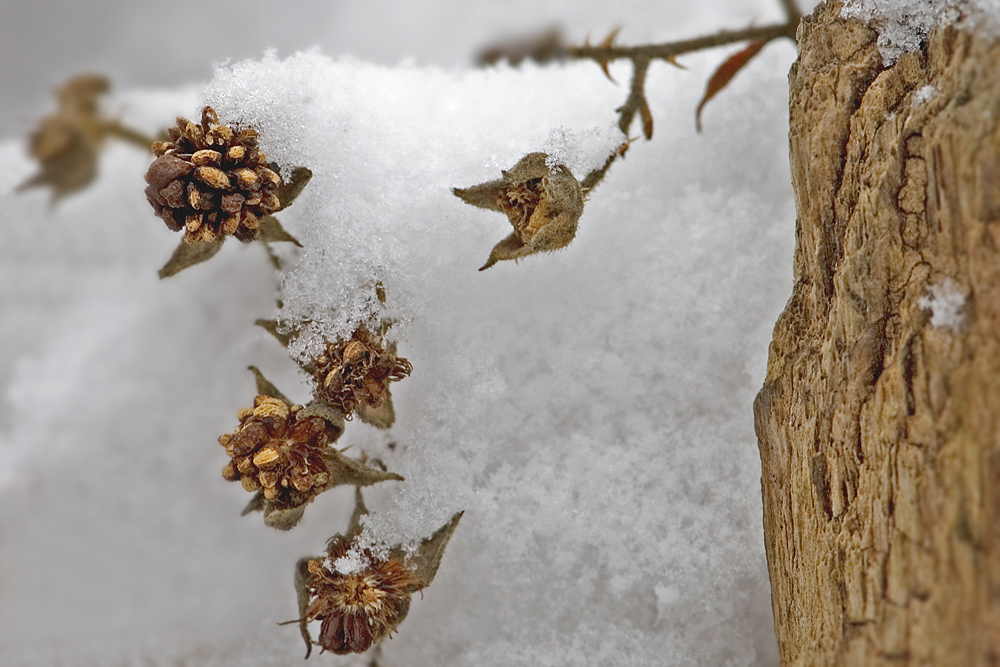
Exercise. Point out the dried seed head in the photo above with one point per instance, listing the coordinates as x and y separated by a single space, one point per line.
357 609
224 175
542 201
364 604
280 448
357 372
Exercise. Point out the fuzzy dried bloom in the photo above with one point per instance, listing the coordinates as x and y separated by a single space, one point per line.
66 144
543 202
211 180
356 373
279 452
357 609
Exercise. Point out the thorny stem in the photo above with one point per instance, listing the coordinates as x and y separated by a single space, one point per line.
641 56
127 134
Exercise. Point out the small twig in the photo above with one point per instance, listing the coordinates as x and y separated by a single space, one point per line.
792 11
671 50
641 56
127 134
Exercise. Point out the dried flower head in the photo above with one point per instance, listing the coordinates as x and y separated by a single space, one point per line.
359 599
211 180
359 608
280 452
66 144
542 201
355 374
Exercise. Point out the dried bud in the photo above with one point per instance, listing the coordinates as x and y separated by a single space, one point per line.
543 203
226 184
355 374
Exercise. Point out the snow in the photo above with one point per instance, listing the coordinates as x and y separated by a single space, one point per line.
924 94
903 25
946 301
590 410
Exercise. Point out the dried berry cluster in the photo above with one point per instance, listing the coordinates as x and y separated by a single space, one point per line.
357 372
361 608
277 450
211 181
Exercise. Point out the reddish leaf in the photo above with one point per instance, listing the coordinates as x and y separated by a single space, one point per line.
727 70
647 120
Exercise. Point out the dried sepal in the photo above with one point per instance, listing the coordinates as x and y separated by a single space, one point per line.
382 416
265 387
187 255
271 231
291 188
273 328
542 201
427 557
365 605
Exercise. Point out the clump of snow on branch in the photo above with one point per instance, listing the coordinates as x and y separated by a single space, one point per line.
946 301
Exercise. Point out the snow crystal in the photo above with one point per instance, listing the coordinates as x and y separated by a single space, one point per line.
946 301
924 94
903 25
352 562
582 150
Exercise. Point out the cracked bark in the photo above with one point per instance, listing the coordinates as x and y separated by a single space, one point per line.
879 433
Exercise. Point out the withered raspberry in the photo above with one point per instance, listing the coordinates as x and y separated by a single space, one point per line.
542 201
211 180
356 373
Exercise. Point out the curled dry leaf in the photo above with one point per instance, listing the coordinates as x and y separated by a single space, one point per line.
724 74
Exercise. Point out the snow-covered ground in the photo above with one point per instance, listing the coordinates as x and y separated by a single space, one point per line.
590 410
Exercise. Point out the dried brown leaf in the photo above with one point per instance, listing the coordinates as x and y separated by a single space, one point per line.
724 74
647 119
